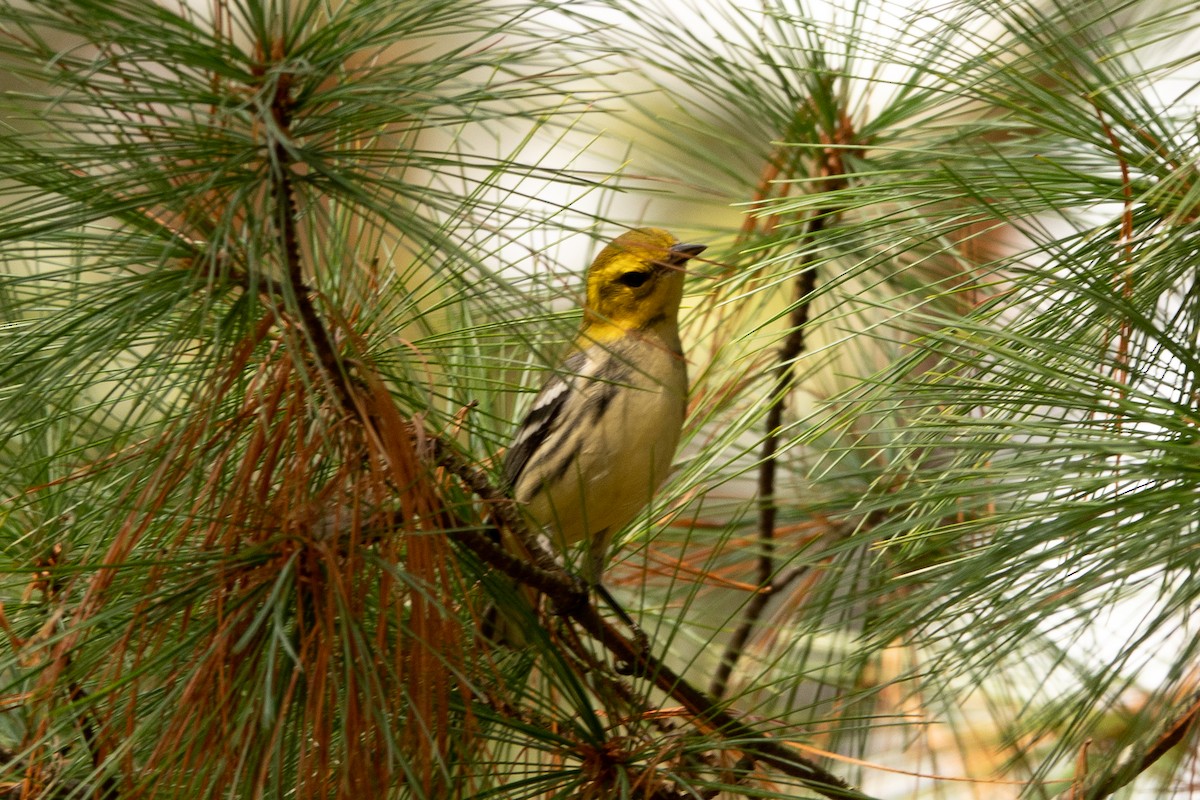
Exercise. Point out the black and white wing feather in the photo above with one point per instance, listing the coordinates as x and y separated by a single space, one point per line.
543 420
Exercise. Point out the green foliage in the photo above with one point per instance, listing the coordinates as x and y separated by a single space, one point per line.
267 263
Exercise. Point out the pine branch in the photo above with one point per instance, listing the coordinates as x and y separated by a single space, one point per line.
312 326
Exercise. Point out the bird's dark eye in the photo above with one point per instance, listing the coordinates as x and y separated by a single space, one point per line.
633 279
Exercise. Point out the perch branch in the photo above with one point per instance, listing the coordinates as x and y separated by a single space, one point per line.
548 577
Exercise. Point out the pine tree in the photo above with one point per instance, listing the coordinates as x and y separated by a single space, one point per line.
279 277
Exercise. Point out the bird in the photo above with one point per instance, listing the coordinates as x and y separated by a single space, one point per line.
600 436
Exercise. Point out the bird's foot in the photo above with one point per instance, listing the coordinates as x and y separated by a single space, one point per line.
641 642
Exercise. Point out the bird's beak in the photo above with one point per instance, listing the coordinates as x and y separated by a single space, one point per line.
688 250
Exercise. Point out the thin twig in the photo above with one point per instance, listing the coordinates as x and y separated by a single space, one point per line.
49 583
662 723
545 573
768 508
832 172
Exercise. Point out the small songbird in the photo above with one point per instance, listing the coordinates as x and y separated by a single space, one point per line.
600 436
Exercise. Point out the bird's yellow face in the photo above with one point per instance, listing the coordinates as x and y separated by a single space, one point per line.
636 282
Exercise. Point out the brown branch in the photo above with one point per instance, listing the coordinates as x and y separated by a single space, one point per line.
1121 369
832 172
662 721
707 713
768 509
544 574
1125 773
47 581
88 728
286 213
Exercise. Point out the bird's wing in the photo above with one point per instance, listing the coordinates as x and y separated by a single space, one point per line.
545 416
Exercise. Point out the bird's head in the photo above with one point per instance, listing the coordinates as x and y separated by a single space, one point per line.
636 282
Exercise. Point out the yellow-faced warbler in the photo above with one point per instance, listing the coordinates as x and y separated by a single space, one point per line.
600 436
